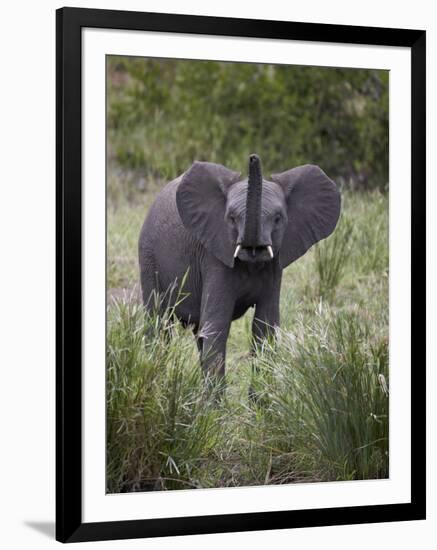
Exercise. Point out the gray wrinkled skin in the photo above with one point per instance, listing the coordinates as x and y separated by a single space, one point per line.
194 226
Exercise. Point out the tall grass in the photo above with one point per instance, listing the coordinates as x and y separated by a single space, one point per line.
321 415
331 256
326 400
321 407
161 419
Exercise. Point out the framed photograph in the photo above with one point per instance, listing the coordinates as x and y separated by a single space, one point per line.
240 275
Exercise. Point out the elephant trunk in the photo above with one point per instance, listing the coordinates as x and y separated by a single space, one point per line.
252 224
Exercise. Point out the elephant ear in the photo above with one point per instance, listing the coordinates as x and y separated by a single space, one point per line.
201 202
313 207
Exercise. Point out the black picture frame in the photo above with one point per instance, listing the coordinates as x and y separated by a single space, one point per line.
69 525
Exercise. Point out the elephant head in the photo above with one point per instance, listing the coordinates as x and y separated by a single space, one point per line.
256 220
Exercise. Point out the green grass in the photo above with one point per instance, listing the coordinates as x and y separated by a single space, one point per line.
322 408
160 423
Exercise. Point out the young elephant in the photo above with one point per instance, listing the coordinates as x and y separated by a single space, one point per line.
233 238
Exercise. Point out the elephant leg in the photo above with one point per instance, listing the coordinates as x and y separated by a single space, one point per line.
155 302
215 322
265 320
199 345
212 340
149 282
195 329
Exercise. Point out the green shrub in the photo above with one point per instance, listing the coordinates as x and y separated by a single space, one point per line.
161 420
326 400
163 114
321 412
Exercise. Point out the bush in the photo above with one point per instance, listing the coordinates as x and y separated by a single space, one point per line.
163 114
161 419
320 414
326 399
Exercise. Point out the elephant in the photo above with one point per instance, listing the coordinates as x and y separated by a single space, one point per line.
228 239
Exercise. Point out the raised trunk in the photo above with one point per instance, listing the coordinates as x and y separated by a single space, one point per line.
252 224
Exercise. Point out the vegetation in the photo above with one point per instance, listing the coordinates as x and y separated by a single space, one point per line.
163 114
322 410
322 389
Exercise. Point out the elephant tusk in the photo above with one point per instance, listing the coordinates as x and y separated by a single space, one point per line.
270 249
237 250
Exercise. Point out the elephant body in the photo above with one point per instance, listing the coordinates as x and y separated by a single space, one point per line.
198 230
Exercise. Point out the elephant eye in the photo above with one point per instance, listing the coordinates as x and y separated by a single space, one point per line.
277 218
232 219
